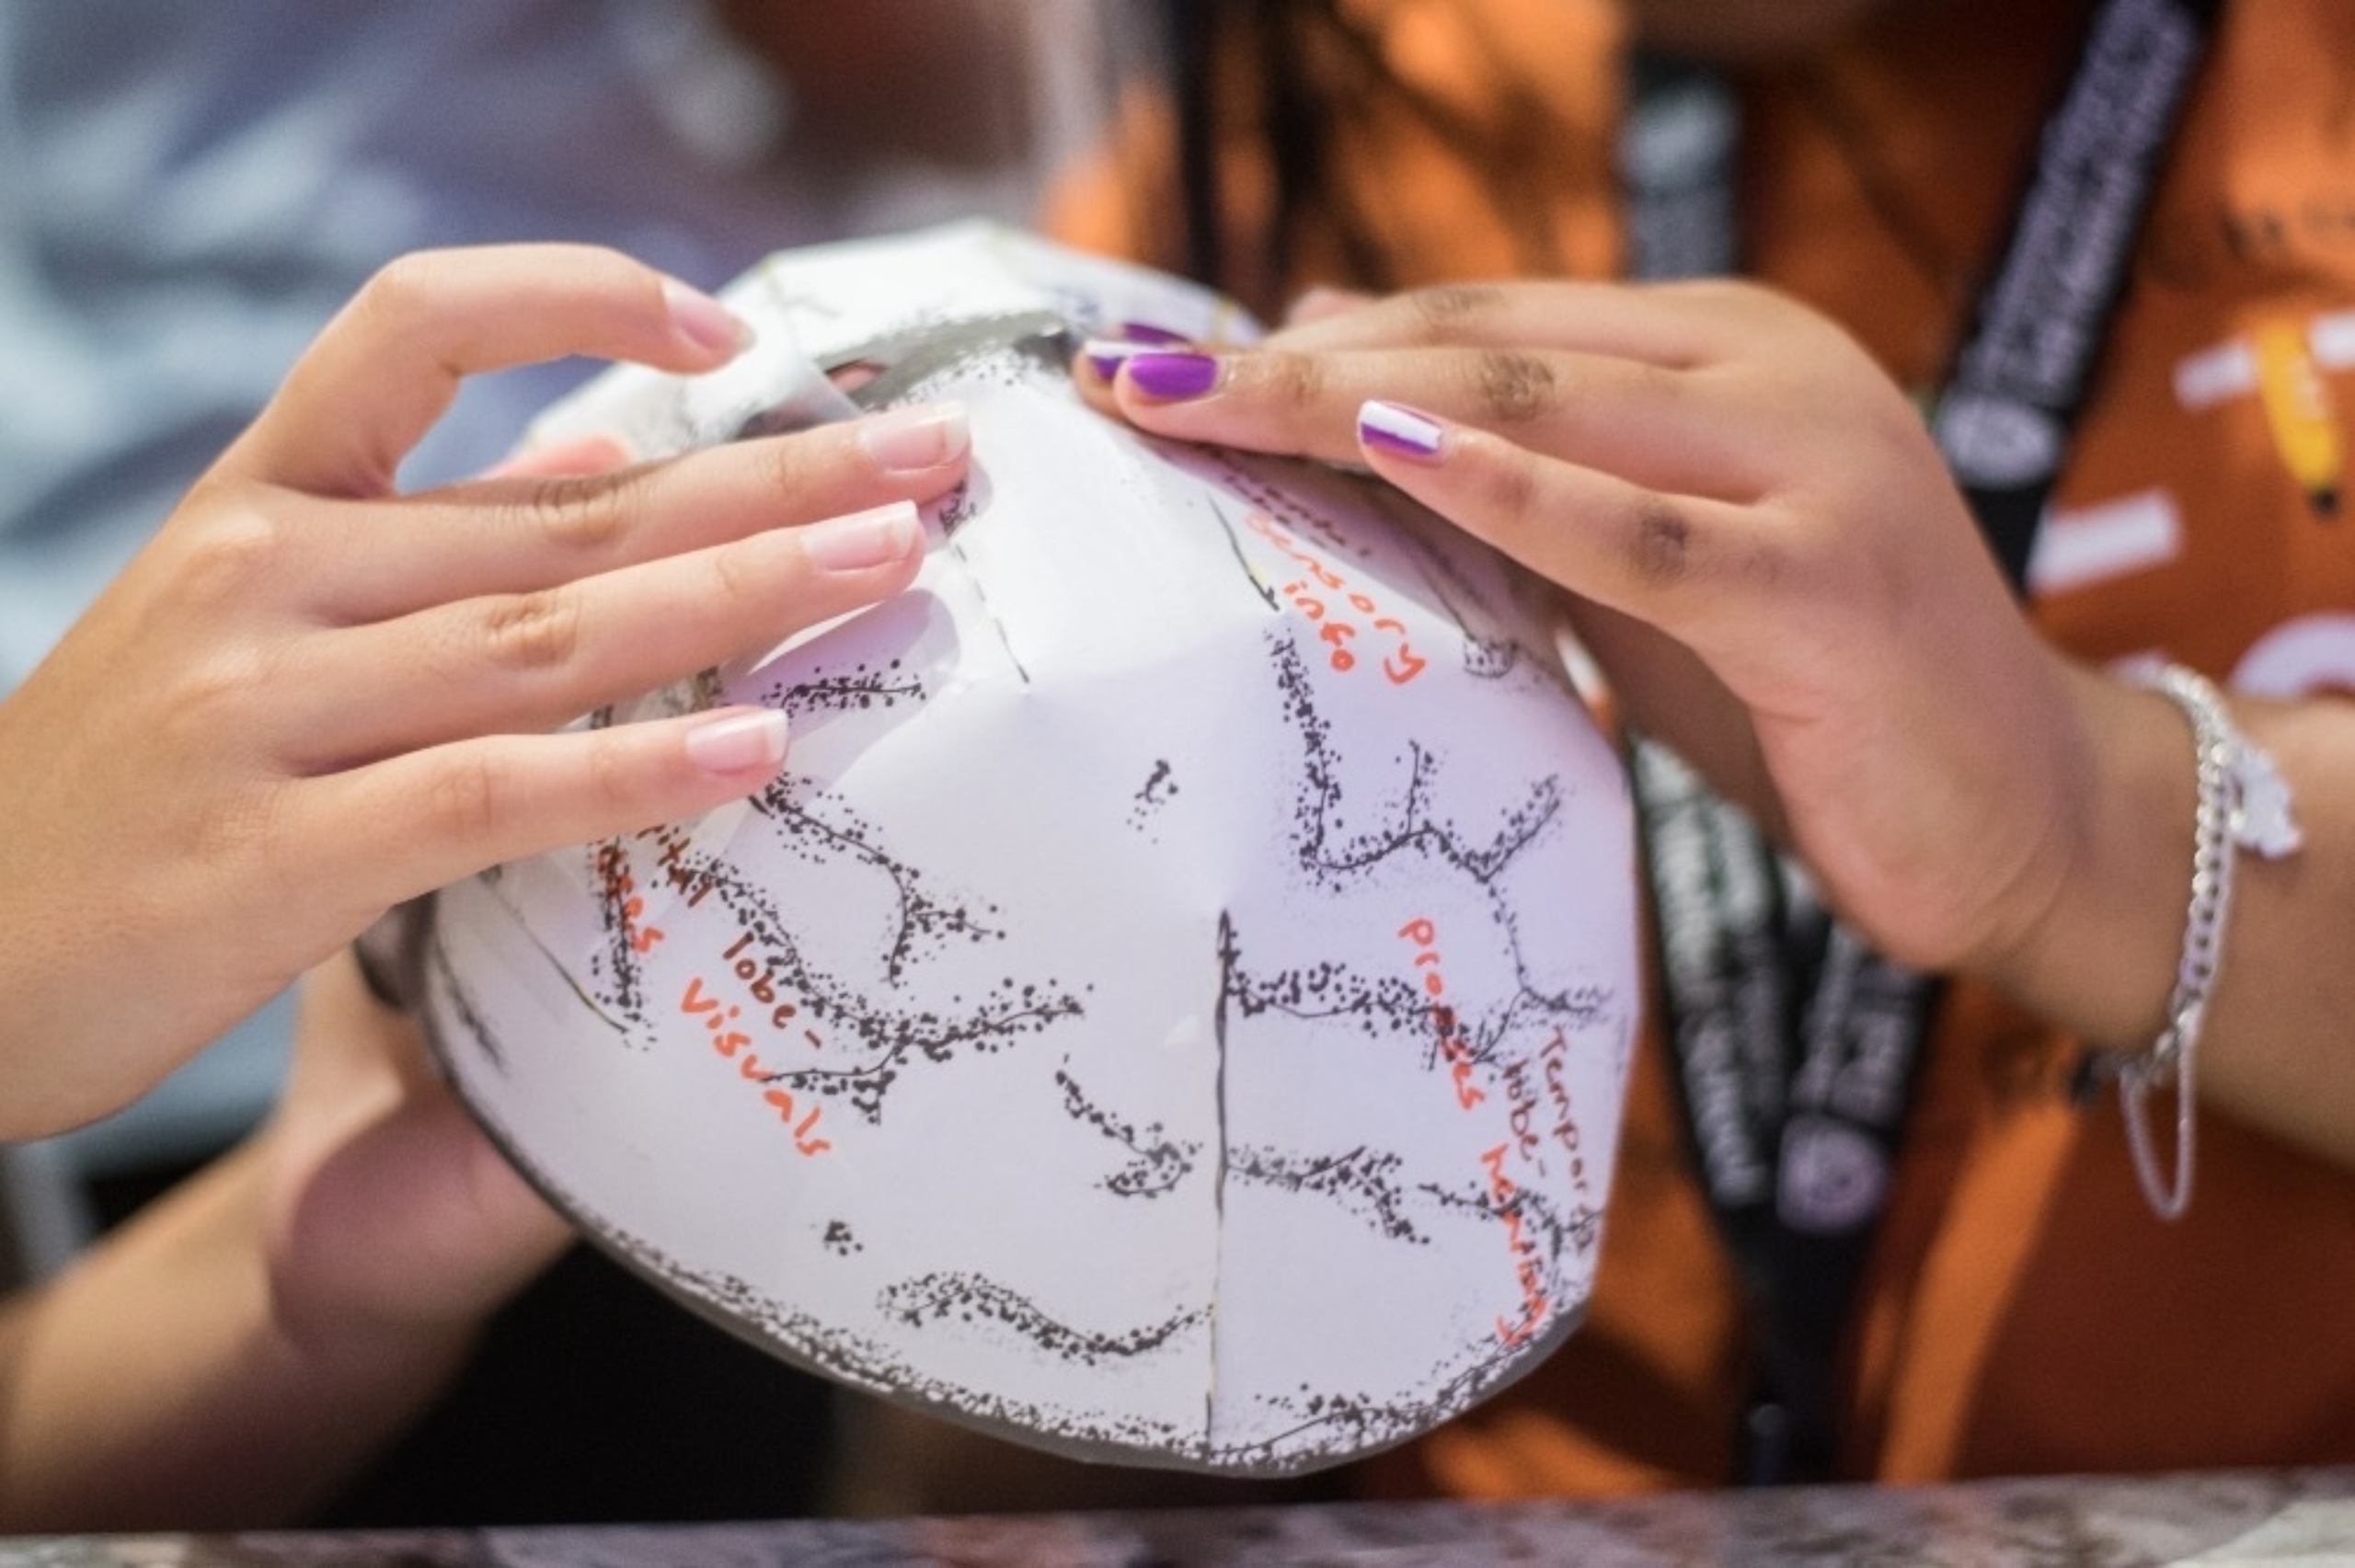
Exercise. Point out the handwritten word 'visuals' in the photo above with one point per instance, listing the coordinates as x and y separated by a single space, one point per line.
727 1041
1400 666
718 1015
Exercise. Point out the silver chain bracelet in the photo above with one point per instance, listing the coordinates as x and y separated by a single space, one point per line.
2244 803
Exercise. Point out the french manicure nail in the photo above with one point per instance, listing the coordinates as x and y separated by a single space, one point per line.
1173 376
704 321
740 743
863 539
909 440
1394 428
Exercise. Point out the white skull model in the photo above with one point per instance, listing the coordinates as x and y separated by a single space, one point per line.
1175 1005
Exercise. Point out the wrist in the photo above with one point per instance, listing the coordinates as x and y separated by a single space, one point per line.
2100 958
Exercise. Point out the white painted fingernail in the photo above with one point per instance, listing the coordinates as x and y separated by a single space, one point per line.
1394 428
740 743
909 440
863 539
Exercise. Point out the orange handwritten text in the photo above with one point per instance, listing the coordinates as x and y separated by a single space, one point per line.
720 1017
1506 1196
1452 1047
621 892
1324 597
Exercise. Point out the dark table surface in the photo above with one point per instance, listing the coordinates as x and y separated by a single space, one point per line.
2273 1517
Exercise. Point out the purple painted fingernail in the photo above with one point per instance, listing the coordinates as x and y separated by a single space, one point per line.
1104 356
1394 428
1173 376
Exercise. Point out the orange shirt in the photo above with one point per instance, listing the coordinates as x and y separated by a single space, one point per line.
2024 1311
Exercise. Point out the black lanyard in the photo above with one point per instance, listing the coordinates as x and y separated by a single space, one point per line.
1796 1045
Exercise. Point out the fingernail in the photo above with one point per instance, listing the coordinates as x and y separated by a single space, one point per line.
1147 332
863 539
1173 376
1104 356
1394 428
908 441
740 743
704 321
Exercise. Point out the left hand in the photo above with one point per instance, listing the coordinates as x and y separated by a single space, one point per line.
391 1226
232 1354
1764 553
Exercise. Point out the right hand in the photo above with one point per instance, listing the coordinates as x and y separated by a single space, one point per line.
311 697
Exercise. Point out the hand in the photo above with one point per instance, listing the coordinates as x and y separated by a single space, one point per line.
391 1227
312 697
1764 549
230 1356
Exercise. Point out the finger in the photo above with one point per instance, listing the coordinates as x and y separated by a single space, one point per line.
386 367
437 816
1323 301
1677 325
361 563
1664 429
583 455
535 660
1682 563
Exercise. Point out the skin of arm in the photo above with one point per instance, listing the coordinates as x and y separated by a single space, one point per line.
312 696
241 1346
1762 549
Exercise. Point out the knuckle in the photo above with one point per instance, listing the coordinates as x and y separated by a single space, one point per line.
1296 381
612 781
221 681
1513 386
402 291
780 464
463 797
235 551
739 570
1443 309
1661 543
212 693
538 630
583 515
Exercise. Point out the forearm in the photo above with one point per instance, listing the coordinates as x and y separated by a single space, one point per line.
155 1386
2275 1046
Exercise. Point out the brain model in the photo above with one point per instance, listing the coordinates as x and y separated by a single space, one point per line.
1173 1006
